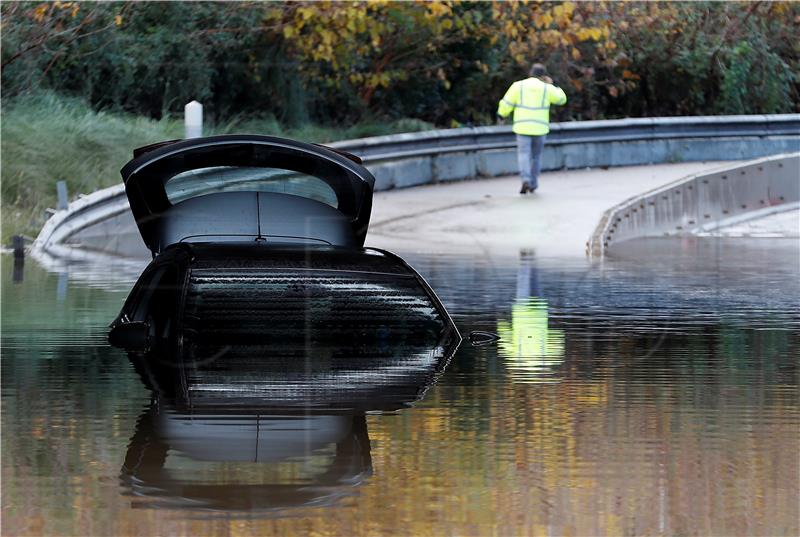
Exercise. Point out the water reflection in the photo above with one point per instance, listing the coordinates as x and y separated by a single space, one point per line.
532 349
676 411
19 269
258 460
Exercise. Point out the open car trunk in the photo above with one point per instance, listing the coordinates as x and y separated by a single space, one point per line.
248 188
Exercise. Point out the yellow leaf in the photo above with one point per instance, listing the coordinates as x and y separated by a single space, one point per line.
40 12
327 36
545 20
576 54
288 32
118 20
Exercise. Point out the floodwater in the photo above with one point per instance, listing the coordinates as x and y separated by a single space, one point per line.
651 394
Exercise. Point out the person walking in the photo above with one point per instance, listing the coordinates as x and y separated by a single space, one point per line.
530 101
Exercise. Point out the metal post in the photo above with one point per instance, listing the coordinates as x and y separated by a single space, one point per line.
18 245
193 119
63 197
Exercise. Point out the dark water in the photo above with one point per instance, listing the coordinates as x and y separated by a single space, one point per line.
655 394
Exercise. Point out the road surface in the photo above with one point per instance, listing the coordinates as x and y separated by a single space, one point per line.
489 216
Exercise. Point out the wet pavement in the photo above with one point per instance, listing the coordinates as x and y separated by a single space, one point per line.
653 393
490 217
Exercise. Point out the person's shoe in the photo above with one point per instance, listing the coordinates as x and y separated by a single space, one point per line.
525 189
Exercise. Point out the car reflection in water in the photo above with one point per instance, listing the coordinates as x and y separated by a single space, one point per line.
258 460
263 326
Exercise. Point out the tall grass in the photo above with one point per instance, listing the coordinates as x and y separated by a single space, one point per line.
47 137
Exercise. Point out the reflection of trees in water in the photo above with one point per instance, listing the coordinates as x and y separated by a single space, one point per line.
622 445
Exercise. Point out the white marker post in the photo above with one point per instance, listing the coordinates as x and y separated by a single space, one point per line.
193 119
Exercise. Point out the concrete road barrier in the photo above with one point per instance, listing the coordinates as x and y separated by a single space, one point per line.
700 203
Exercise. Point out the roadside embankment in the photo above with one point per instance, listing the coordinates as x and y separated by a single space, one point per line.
48 138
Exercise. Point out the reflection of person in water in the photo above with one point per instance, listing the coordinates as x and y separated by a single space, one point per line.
527 276
226 460
531 348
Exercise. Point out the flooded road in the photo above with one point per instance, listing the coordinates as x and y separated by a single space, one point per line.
650 394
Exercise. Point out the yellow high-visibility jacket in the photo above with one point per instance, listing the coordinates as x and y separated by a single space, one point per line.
530 100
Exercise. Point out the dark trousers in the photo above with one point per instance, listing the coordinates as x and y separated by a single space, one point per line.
529 157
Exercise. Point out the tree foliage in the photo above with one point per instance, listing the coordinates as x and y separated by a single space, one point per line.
443 61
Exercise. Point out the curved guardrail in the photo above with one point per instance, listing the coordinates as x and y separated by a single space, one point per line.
415 144
412 159
102 220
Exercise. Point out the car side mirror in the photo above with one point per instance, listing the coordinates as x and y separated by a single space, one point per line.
132 336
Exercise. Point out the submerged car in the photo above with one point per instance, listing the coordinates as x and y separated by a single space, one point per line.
263 327
253 237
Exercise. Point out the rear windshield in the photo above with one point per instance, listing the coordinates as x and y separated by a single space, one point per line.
201 181
237 167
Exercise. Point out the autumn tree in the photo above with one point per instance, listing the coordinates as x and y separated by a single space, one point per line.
442 61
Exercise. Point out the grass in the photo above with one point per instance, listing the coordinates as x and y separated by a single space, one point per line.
47 137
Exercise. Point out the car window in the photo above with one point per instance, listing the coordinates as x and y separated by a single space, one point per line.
201 181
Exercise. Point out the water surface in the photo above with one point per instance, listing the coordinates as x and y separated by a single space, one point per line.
655 393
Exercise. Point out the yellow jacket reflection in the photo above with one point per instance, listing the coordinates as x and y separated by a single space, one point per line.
531 348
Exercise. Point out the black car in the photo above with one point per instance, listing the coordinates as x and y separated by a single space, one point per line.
263 327
256 239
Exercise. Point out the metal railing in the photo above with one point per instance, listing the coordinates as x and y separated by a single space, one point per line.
414 145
